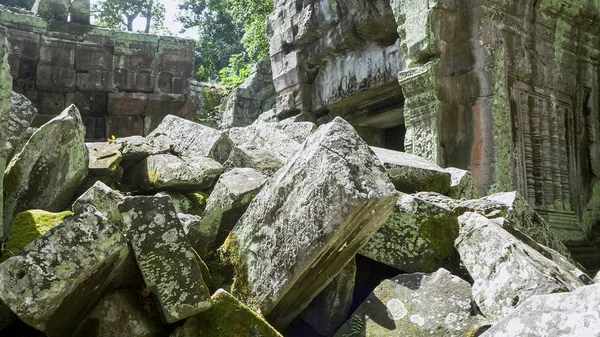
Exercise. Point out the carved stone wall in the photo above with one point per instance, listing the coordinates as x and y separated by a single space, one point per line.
337 58
123 83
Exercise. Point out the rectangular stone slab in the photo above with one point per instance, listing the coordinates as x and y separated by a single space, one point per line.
165 257
308 222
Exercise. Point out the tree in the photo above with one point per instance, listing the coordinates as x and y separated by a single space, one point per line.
232 36
120 14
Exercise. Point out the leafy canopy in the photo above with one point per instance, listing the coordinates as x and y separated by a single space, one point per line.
120 14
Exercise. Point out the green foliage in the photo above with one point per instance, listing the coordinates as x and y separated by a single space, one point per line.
232 37
120 14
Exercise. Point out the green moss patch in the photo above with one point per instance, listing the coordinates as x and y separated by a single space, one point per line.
30 225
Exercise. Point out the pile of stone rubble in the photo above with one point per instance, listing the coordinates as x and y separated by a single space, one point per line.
268 230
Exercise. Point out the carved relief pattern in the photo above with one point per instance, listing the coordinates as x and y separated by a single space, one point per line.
542 131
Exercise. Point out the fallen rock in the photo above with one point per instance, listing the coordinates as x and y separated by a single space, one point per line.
411 174
135 148
164 256
266 136
193 140
308 222
227 203
189 203
418 237
48 171
228 317
461 184
250 156
571 314
29 226
329 310
104 159
120 313
19 118
105 200
169 172
188 221
597 278
506 271
298 131
54 282
439 304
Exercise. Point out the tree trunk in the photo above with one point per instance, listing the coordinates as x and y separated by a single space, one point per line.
149 16
130 18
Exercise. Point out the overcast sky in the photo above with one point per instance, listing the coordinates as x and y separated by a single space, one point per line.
170 19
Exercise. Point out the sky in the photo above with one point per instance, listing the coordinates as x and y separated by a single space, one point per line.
170 20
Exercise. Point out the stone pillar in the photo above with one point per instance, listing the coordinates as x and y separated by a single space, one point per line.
80 11
52 9
5 102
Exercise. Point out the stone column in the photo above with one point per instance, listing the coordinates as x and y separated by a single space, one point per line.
80 11
52 9
5 101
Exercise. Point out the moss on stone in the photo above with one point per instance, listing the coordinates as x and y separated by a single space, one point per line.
199 201
441 231
231 256
228 317
30 225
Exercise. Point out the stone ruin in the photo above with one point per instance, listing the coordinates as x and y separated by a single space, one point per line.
123 83
331 214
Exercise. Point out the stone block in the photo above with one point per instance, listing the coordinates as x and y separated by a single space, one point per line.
24 44
96 80
90 104
48 171
175 278
26 75
127 104
57 53
296 234
256 158
18 119
124 126
128 80
90 57
51 103
95 128
193 139
160 104
57 279
105 200
52 78
104 157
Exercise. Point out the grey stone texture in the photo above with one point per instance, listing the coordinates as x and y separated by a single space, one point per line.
438 304
227 203
168 172
121 313
59 277
308 222
123 83
418 237
5 104
104 159
254 157
19 117
191 139
154 231
105 200
268 137
507 271
48 171
571 314
135 148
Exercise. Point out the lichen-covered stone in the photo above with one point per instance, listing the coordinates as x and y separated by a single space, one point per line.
418 237
5 103
308 222
329 310
18 119
461 186
104 158
506 271
250 156
164 256
297 130
266 136
438 304
28 226
57 278
121 313
52 9
168 172
519 214
135 148
227 203
228 317
188 221
571 314
411 174
192 139
188 203
48 171
105 200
